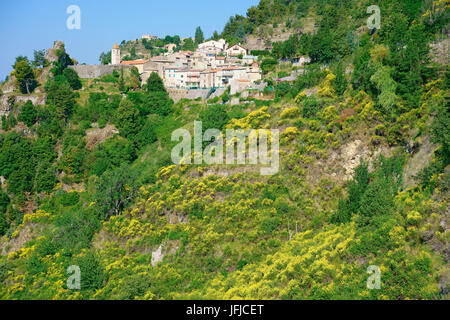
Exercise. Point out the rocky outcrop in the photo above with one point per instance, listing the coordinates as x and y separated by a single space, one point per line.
95 136
168 247
51 54
440 51
420 159
6 105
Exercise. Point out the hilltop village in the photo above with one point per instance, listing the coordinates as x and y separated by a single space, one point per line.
214 64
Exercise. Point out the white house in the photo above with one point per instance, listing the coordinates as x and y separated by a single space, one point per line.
170 80
236 50
212 47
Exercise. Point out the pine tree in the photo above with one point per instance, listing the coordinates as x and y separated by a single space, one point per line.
25 79
121 81
199 37
28 114
340 82
155 83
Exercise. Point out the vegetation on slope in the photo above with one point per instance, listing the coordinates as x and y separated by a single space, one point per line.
90 182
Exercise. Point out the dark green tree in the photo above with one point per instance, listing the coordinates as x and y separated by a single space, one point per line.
28 114
321 45
340 83
159 103
268 65
356 189
377 201
214 117
39 59
60 98
121 81
73 79
25 79
115 190
199 37
188 45
45 179
155 83
4 202
105 58
127 119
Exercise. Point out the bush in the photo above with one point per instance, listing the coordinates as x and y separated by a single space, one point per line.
92 273
268 225
146 135
133 286
114 152
310 107
282 89
115 190
75 229
69 198
160 103
214 117
268 65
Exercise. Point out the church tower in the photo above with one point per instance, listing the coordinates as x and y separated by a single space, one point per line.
115 54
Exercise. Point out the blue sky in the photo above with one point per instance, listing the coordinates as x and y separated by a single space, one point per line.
26 25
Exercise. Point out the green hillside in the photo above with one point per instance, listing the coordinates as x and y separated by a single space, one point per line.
364 173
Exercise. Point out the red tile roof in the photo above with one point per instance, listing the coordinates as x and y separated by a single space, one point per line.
134 62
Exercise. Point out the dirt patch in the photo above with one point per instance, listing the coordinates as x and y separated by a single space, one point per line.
27 233
96 136
420 160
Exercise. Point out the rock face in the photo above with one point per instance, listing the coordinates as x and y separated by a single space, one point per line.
168 247
9 86
420 160
35 99
254 43
51 55
352 153
94 136
157 256
439 51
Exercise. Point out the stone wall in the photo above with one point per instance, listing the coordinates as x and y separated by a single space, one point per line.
178 94
92 72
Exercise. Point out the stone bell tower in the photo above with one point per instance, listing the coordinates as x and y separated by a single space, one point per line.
115 54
